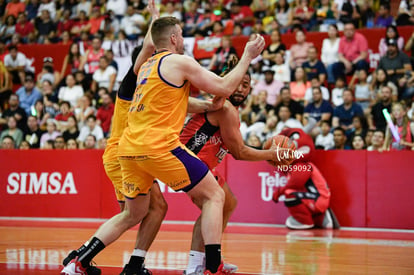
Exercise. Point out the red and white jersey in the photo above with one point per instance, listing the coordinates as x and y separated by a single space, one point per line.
204 140
92 60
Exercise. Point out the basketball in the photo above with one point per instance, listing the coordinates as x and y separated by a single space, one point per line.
283 142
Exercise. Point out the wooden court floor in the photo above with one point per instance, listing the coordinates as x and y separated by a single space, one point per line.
38 247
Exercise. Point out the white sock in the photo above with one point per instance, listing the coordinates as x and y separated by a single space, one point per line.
86 243
139 253
195 259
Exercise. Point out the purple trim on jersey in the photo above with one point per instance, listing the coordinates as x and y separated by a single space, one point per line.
162 78
196 169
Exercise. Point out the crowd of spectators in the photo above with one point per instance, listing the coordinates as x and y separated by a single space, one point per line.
331 91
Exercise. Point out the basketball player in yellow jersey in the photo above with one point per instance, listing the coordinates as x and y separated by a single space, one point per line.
150 147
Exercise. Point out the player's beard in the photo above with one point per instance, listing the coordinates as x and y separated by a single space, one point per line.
236 100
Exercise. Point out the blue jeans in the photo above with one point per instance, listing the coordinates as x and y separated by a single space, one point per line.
339 68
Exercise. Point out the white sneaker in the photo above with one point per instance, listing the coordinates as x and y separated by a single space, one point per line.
292 223
198 271
74 268
230 268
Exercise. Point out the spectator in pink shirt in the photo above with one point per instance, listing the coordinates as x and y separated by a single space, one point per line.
269 84
299 51
353 52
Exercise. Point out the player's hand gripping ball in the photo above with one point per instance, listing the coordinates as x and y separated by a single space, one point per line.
284 150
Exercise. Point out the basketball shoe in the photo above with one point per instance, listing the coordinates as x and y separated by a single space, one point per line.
74 267
228 268
220 271
129 271
90 270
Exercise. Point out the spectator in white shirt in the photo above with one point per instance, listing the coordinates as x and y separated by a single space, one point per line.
132 23
281 69
71 92
329 53
104 76
91 128
325 139
15 63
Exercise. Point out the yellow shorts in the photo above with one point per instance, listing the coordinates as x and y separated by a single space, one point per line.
113 171
180 169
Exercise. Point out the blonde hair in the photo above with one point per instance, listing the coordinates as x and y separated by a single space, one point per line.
405 123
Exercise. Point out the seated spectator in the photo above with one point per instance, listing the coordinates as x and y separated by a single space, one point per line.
222 55
343 114
254 141
45 28
71 92
65 23
50 134
406 84
105 113
260 109
360 126
299 51
406 17
283 13
358 143
28 94
63 116
72 130
48 73
242 15
269 84
285 120
24 145
32 132
368 137
84 109
48 145
14 7
263 130
90 142
337 91
170 11
40 113
339 137
347 11
104 76
8 29
319 109
379 80
329 52
325 15
275 46
377 141
325 139
72 60
81 26
48 5
299 85
59 143
395 62
91 128
295 108
91 59
303 14
13 131
384 18
15 63
95 20
72 144
391 32
353 52
314 67
191 19
31 9
14 110
133 23
376 120
84 6
25 28
402 123
7 143
315 83
281 69
361 88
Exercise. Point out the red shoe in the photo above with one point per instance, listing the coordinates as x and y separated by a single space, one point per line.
220 271
74 268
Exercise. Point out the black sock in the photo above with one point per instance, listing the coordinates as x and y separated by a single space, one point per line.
81 249
136 262
213 257
93 248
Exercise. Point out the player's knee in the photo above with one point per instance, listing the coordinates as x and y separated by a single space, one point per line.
132 218
218 197
159 205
